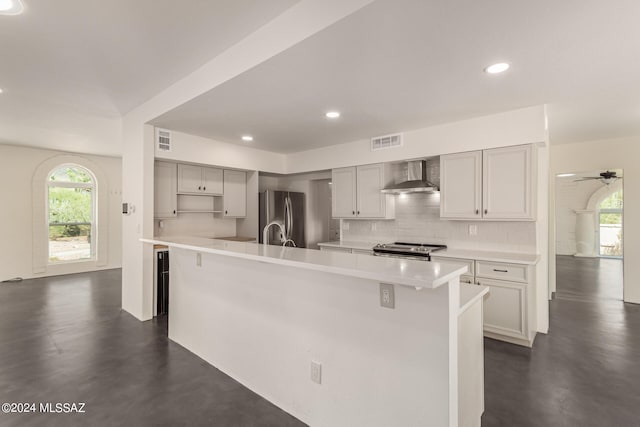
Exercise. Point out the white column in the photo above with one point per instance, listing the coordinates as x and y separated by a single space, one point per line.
137 190
585 233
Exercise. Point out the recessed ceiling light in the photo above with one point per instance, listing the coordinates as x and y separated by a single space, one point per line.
500 67
11 7
247 138
1 90
564 175
333 114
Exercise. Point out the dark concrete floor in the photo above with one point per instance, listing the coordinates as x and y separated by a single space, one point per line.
586 371
65 339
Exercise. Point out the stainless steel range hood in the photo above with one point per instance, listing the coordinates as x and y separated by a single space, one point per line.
415 180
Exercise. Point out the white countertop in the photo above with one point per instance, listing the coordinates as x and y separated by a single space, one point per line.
365 246
418 274
491 256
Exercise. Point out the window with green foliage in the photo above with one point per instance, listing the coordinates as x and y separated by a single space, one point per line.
71 207
610 225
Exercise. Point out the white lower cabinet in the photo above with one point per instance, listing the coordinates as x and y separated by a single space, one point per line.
509 309
505 308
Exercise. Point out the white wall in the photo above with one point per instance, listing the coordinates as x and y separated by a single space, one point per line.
570 196
17 168
516 127
602 155
195 149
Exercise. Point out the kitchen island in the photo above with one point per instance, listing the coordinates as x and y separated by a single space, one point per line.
305 329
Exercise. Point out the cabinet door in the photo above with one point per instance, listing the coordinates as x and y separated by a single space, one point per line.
165 187
505 308
189 179
461 185
343 188
235 193
507 183
212 181
370 202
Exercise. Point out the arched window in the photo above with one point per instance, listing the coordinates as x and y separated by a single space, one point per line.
71 214
610 225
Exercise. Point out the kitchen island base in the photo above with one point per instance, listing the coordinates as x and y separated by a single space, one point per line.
265 324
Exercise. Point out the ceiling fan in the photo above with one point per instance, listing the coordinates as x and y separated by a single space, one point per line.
607 177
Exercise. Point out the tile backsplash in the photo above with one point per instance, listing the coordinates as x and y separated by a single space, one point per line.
418 220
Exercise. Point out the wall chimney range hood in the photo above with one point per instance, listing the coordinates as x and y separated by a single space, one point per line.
415 180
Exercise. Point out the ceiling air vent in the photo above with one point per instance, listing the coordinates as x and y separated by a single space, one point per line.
386 141
163 139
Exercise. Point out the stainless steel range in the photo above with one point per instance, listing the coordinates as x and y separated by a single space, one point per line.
418 251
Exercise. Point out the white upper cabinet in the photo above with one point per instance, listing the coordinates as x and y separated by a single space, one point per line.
356 192
212 181
235 194
343 187
189 179
165 190
507 191
370 201
496 184
461 185
199 180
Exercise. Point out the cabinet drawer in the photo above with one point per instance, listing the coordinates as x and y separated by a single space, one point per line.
502 271
459 262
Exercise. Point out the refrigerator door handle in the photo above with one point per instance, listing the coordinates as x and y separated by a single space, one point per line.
290 231
287 218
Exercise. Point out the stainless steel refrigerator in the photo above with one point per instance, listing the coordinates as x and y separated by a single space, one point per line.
286 207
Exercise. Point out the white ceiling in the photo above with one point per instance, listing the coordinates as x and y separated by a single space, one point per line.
71 68
69 63
405 64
